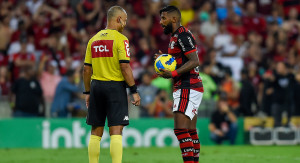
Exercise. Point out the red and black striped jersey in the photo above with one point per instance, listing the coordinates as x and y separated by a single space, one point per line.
181 44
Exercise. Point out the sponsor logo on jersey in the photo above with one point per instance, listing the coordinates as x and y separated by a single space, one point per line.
102 48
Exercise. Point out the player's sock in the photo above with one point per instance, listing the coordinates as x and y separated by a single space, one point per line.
186 145
196 142
94 149
116 149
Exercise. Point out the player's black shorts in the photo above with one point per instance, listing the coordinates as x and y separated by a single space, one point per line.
108 99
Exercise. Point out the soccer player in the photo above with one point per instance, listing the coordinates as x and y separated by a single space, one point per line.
188 88
107 64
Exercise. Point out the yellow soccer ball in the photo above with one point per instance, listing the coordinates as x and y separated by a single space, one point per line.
165 61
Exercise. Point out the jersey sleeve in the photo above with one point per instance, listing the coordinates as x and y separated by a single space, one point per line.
123 50
88 55
186 43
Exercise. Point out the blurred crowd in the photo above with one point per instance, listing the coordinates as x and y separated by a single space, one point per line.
249 52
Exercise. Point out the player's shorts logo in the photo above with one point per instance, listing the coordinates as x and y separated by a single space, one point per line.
194 111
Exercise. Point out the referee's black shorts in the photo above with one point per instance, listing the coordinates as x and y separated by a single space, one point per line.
108 99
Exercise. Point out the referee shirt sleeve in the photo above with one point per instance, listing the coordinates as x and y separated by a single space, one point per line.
123 51
88 55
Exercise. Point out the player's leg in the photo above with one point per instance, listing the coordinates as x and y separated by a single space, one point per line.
194 136
195 100
182 123
117 118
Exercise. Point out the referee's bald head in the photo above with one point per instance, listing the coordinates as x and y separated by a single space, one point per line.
116 18
115 11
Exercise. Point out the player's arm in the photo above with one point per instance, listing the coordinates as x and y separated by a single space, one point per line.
87 73
186 42
189 65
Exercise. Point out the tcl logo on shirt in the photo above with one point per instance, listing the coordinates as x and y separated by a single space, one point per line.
102 48
126 43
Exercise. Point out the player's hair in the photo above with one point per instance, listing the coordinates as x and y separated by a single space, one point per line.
113 10
170 9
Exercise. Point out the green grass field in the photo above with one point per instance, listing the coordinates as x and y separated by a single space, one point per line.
209 154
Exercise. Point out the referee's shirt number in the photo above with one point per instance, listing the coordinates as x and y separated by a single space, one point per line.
126 43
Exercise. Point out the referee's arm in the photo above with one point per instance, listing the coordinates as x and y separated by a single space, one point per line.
128 76
87 73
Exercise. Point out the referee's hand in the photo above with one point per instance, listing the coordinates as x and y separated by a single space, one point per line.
136 99
87 100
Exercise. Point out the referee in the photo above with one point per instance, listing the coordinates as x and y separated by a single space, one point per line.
106 73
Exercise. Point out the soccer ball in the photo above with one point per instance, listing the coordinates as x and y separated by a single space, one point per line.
165 61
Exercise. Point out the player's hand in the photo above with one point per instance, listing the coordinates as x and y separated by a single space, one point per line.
157 55
87 100
136 99
165 73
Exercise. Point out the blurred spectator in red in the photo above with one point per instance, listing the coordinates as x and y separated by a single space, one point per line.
28 94
281 52
235 27
288 5
21 59
292 27
40 29
264 6
88 11
253 21
253 54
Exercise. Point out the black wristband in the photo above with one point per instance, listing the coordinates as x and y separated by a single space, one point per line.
86 93
133 89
